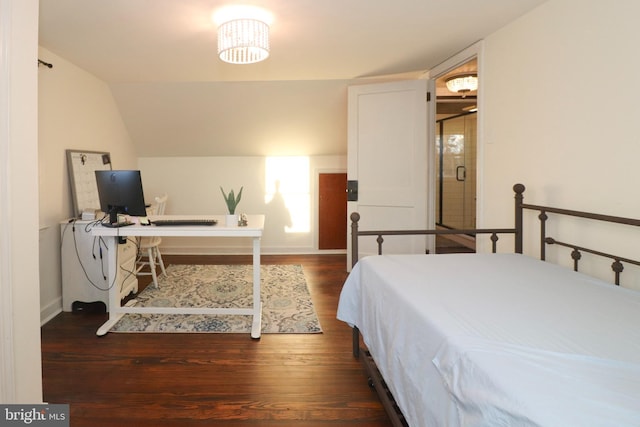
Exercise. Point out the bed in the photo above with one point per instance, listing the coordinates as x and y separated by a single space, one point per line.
497 339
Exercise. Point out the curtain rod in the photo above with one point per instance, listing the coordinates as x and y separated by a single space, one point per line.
46 64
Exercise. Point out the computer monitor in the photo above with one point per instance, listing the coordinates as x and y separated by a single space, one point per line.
120 192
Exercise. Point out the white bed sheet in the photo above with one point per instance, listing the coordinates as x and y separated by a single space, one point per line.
498 339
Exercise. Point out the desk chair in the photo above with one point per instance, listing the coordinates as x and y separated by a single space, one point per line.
148 247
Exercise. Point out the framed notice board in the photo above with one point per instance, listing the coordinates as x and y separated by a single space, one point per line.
82 179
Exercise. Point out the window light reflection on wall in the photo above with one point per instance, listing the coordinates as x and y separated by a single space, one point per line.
287 183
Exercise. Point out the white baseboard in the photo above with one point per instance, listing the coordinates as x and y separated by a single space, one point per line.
50 311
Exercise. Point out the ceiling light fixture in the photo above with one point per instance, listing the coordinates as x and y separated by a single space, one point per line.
462 83
243 41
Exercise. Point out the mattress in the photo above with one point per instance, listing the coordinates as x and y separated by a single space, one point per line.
498 339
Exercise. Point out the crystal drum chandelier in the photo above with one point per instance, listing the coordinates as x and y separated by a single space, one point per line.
462 83
243 41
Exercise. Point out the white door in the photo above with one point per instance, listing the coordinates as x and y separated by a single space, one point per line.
388 157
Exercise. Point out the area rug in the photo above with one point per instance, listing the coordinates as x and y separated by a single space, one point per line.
286 301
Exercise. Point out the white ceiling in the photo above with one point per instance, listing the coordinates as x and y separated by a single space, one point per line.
159 57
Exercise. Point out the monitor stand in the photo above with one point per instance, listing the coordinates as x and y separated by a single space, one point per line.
117 224
113 219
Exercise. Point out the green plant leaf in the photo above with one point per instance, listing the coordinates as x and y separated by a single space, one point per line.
231 200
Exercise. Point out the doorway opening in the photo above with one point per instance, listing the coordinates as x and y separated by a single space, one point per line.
456 161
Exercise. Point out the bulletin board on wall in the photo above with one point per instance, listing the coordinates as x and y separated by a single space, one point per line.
82 178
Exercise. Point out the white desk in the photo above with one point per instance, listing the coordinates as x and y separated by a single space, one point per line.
253 230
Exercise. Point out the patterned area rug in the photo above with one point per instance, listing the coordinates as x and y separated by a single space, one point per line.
286 302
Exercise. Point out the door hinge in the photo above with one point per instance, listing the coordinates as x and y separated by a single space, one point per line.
428 96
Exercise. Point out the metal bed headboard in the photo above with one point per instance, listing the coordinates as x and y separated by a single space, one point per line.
494 232
618 262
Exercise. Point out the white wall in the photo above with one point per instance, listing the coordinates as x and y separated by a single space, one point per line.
559 116
193 186
76 111
20 360
257 118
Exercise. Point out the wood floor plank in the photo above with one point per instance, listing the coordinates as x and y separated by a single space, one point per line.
213 379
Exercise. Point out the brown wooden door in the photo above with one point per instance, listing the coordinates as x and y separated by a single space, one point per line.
332 208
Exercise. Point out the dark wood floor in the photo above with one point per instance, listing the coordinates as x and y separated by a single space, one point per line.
213 379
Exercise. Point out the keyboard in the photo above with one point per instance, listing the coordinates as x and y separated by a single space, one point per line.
192 221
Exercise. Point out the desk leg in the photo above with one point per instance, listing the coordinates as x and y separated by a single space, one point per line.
113 319
115 312
256 325
106 326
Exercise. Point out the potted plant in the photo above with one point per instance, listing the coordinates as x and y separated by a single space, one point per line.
232 202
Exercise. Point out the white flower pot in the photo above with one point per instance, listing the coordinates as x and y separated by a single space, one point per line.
231 220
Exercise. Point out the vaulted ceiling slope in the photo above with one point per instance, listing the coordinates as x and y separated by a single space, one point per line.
149 50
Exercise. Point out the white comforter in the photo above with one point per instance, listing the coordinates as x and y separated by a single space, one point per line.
498 340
